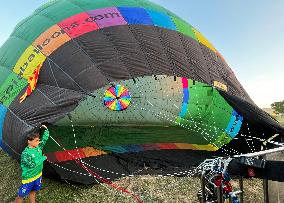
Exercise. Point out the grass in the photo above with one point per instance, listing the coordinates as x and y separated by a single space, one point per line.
150 189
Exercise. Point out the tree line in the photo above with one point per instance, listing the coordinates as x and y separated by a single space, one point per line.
278 107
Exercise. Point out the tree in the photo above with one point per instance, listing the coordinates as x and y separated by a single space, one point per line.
278 107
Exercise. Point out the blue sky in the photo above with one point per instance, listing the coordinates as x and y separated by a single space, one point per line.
248 33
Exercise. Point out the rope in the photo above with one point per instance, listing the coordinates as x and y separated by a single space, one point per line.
261 153
108 182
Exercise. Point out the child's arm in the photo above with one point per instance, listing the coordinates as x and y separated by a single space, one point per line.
44 137
27 161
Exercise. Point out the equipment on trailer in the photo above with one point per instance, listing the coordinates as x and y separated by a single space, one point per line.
216 175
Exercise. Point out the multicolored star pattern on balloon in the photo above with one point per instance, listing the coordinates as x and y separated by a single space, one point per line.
117 98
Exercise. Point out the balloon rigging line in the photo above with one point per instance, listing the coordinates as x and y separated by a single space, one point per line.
103 180
173 115
262 152
200 130
53 76
116 187
81 164
263 140
89 171
76 145
104 169
186 127
112 171
76 172
77 148
251 148
222 149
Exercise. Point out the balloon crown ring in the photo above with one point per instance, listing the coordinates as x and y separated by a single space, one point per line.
117 98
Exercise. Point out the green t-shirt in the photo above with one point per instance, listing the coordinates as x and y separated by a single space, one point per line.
32 159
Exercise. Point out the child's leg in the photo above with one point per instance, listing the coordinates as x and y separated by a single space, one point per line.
19 199
24 190
32 196
36 187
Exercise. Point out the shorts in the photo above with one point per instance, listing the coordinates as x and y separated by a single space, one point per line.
26 188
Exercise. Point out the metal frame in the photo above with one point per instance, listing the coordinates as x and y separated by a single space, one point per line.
219 191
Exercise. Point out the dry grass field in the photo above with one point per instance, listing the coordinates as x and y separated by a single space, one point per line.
150 189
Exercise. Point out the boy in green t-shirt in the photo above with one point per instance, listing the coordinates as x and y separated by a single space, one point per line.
32 165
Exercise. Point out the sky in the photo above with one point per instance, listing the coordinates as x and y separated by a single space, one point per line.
248 33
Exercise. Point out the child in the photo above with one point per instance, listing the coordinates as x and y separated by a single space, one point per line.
32 165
